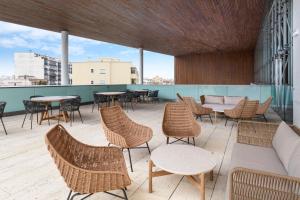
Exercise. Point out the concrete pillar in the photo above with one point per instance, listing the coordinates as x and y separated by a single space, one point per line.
141 66
65 58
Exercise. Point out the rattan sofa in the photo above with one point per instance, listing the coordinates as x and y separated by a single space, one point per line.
265 162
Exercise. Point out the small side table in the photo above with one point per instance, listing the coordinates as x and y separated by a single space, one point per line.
186 160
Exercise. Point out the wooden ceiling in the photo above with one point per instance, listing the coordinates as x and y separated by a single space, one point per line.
174 27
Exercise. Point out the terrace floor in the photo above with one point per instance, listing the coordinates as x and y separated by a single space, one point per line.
28 172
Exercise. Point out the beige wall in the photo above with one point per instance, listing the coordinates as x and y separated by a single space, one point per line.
106 71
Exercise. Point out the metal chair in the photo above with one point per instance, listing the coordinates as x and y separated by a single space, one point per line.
99 99
32 108
2 107
71 106
49 106
153 96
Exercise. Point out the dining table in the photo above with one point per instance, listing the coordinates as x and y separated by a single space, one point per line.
111 95
47 100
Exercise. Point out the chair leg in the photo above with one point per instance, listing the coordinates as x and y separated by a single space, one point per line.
265 118
188 139
48 117
130 160
31 119
69 195
210 119
125 195
93 107
58 119
71 119
24 119
108 144
80 116
3 126
194 141
148 148
226 121
200 118
167 140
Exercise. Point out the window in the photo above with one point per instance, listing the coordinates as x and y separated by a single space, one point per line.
92 70
92 82
133 70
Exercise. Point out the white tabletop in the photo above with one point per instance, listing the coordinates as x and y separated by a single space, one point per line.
219 107
110 93
52 98
183 159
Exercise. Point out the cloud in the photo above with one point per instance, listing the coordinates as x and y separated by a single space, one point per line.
13 42
128 52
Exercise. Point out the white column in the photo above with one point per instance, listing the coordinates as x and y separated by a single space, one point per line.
296 62
64 58
141 66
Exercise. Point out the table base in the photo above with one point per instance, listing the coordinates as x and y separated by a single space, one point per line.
198 182
45 116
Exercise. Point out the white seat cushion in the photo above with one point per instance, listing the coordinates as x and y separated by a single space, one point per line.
214 99
285 142
219 107
257 158
232 100
294 163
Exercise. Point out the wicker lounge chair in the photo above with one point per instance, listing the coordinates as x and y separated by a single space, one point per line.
87 169
235 113
179 123
262 109
122 131
197 109
249 110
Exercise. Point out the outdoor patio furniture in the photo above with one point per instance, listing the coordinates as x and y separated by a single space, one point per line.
197 109
2 107
111 96
180 99
179 123
249 109
126 100
87 169
98 100
49 106
121 131
31 108
265 162
235 113
263 108
173 159
153 96
71 106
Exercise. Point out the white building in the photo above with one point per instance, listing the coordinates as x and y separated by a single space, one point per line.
38 66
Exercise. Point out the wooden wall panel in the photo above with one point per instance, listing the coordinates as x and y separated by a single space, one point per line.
215 68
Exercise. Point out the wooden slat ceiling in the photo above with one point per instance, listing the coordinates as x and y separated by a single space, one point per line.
174 27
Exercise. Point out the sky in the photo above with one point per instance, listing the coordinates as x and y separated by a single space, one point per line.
17 38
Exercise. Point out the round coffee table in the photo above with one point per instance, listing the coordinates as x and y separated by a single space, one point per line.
184 160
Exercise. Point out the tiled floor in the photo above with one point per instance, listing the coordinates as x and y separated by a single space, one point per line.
28 172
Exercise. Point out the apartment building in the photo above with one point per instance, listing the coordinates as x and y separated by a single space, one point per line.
38 66
104 71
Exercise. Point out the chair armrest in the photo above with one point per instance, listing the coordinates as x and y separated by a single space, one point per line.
256 133
253 184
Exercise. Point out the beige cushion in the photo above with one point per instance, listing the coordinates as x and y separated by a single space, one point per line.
257 158
294 163
285 142
209 99
232 100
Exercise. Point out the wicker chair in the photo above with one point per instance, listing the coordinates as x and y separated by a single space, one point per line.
2 107
247 183
122 131
235 113
262 109
197 109
87 169
179 123
249 110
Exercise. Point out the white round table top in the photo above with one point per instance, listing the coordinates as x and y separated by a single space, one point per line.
183 159
219 107
52 98
110 93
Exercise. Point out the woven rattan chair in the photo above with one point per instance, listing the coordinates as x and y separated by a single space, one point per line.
235 113
121 131
87 169
179 123
263 108
247 183
2 107
249 109
197 109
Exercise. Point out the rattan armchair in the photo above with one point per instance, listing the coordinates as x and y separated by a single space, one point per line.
121 131
263 108
87 169
247 183
197 109
179 123
249 110
235 113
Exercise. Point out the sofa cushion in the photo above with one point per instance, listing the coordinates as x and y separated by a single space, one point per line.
214 99
257 158
232 100
219 107
294 163
285 142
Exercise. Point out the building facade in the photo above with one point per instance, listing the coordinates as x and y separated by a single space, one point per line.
104 71
38 66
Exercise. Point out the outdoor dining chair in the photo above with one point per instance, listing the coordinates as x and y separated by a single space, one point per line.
98 100
263 108
121 131
179 123
42 106
235 113
70 106
2 107
32 108
87 169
